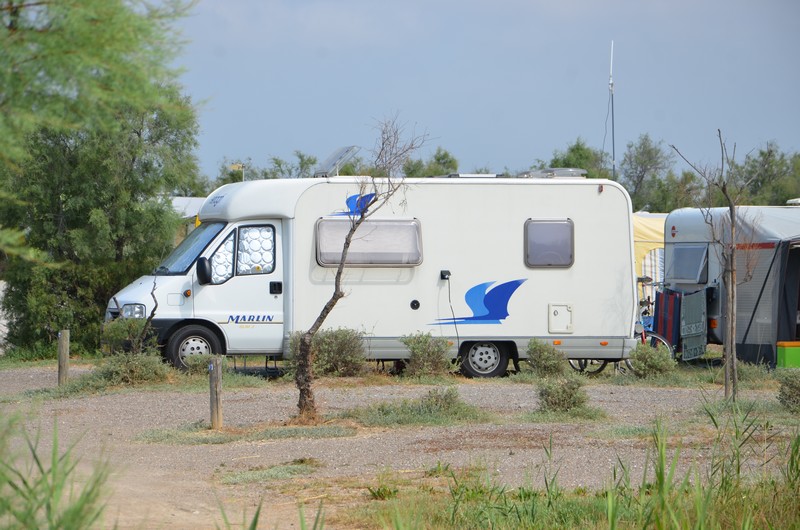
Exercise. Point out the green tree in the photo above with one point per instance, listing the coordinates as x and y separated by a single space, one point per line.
96 202
676 191
643 165
282 169
69 63
772 176
440 163
579 155
238 171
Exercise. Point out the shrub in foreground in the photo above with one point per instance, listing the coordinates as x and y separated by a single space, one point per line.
789 390
132 369
336 352
545 359
428 355
562 394
648 362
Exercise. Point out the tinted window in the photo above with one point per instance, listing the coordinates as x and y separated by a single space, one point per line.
549 243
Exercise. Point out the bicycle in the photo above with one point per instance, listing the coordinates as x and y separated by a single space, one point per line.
643 331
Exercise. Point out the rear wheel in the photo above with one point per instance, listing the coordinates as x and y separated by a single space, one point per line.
656 341
588 366
191 340
484 359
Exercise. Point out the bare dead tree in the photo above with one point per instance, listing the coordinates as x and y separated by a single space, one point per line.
391 150
732 187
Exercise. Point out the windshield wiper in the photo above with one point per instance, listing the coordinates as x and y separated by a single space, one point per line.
161 270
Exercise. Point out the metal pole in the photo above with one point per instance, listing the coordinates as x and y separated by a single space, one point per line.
611 89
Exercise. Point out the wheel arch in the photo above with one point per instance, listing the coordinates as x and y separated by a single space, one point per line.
509 345
165 333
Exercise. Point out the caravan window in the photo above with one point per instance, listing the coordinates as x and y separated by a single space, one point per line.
377 242
689 264
549 243
254 253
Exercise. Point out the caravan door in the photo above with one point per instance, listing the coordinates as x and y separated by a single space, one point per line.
245 296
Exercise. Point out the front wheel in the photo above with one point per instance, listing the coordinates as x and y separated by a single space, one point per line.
484 359
191 340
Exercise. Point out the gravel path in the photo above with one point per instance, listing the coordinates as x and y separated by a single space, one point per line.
159 485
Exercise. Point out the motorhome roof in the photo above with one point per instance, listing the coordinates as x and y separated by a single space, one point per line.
552 172
279 197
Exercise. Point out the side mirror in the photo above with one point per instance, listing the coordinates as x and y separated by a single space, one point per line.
203 271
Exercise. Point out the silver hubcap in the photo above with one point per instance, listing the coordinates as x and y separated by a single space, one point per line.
194 346
484 358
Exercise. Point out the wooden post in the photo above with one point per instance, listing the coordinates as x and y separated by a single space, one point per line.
63 356
215 385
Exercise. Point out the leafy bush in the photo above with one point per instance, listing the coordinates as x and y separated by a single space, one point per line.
437 407
545 359
129 335
789 390
198 364
428 355
562 394
747 373
336 352
647 361
36 352
132 369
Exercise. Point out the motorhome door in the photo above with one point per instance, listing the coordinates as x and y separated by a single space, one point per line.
245 296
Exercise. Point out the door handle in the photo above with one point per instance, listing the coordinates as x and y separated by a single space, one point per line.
275 287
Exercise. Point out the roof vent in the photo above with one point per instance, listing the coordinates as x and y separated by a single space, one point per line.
470 175
553 172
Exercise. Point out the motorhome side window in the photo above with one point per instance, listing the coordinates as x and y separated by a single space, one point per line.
377 242
689 263
549 243
252 247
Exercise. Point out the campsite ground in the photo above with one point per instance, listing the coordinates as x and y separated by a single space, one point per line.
157 483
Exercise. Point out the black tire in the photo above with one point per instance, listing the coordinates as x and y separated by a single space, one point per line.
191 340
484 359
588 366
654 340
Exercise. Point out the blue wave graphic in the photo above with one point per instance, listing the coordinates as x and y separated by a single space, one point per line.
489 306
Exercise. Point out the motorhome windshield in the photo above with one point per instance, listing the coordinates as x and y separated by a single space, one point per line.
179 261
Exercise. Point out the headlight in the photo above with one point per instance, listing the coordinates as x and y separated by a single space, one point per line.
133 311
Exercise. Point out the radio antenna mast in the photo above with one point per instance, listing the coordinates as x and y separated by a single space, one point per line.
611 93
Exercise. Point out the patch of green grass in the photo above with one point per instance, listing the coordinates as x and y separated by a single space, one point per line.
43 488
717 496
629 431
429 379
301 466
583 413
199 433
438 407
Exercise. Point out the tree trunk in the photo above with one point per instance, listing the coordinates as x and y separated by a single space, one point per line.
731 369
304 378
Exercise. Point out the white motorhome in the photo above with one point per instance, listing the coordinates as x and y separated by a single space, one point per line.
768 278
488 263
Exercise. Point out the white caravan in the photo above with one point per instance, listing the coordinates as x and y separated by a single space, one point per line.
768 278
488 263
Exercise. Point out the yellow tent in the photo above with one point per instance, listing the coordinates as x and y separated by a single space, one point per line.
648 249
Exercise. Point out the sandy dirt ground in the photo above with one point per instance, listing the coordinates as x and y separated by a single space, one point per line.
165 485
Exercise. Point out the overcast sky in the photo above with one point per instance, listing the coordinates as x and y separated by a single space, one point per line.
499 84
